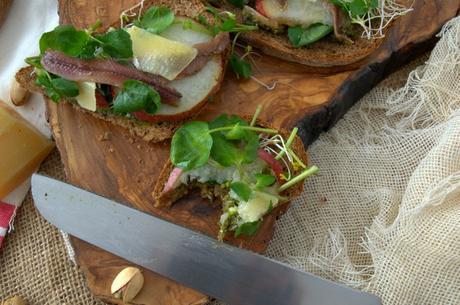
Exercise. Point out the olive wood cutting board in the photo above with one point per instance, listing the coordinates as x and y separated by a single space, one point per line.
107 160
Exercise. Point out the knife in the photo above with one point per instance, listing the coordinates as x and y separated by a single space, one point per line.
227 273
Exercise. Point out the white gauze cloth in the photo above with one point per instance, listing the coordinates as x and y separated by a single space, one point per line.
383 214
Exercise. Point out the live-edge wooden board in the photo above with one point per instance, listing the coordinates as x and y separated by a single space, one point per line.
107 160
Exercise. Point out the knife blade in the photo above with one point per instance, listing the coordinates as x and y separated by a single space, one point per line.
235 276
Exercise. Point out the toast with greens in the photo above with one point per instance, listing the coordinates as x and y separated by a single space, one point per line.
244 165
157 67
319 33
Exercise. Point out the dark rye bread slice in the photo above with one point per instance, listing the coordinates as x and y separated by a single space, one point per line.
166 199
162 127
327 52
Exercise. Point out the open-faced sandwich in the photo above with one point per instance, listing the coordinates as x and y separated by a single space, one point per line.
319 33
243 165
159 67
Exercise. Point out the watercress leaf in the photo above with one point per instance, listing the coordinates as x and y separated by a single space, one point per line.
90 50
240 66
248 143
341 3
264 180
373 4
64 38
248 228
226 120
191 145
117 44
44 81
228 25
238 3
223 151
358 8
301 37
156 19
65 87
251 146
136 96
236 133
242 190
34 61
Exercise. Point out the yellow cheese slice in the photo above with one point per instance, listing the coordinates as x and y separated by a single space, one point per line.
22 149
158 55
257 206
87 95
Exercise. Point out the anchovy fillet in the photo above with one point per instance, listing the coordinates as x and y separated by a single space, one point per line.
105 71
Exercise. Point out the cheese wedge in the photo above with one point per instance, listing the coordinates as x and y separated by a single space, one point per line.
87 96
22 149
158 55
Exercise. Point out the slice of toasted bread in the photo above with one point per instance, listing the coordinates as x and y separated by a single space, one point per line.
327 52
166 199
196 89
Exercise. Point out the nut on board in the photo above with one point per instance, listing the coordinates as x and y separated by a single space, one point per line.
127 284
18 95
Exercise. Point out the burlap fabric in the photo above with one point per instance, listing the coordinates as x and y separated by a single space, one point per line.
383 215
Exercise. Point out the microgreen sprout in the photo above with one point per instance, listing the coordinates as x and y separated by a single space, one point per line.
130 13
288 143
378 14
308 172
256 115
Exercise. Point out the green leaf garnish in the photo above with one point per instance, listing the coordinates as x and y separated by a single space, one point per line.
264 180
64 38
44 81
225 120
65 87
240 66
236 133
301 37
224 152
136 96
117 44
156 19
241 144
242 190
34 61
356 8
56 88
248 228
191 145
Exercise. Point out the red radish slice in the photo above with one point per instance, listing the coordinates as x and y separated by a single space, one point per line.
101 102
144 116
274 164
260 7
173 180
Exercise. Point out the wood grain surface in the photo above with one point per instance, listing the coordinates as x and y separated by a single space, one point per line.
107 160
